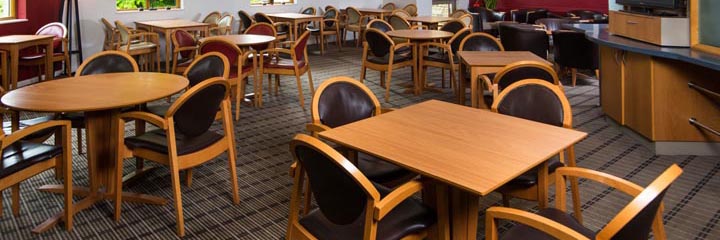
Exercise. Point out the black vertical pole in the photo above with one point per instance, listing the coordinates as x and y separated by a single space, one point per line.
79 36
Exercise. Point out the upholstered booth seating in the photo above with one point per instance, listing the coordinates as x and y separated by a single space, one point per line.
528 15
183 139
61 50
574 51
282 29
488 16
380 53
296 65
519 37
350 206
635 221
331 28
553 24
185 48
245 21
243 64
446 58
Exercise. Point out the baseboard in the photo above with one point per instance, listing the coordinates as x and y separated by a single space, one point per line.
670 148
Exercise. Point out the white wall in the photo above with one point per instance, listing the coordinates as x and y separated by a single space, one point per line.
92 10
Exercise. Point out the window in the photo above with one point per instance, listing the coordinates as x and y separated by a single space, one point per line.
271 2
442 7
125 5
7 9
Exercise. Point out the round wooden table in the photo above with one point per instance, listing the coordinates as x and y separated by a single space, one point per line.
244 40
100 97
417 37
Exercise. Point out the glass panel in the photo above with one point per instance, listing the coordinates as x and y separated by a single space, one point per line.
709 27
163 3
121 5
271 2
7 9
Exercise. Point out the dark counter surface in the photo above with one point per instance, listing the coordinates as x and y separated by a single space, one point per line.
599 34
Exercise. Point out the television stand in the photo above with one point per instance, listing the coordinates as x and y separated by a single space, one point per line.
658 30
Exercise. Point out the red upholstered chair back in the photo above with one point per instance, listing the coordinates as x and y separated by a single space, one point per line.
300 46
261 29
184 39
229 50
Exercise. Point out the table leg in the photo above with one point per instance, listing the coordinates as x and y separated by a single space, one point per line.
435 195
49 67
14 62
168 50
543 182
473 88
464 210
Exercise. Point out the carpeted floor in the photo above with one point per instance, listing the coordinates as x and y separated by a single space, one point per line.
691 207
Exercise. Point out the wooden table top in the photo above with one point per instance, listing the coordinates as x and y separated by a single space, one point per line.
172 23
293 15
419 34
94 92
243 39
430 19
469 148
497 58
13 39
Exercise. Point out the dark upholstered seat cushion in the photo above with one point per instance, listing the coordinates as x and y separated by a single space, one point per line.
529 178
522 231
156 140
398 58
24 154
409 217
380 171
284 63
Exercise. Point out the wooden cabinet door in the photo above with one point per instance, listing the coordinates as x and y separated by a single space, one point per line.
611 83
638 104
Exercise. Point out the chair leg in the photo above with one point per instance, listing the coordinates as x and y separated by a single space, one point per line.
442 83
337 41
118 185
16 199
307 197
239 94
277 84
175 175
300 92
188 177
573 72
387 84
79 140
310 81
597 74
382 78
363 70
67 162
232 161
505 200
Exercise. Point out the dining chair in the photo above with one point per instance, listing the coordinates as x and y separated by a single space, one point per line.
244 65
185 48
518 37
380 24
453 26
574 51
147 46
356 23
298 64
183 139
349 205
467 19
223 27
553 24
401 13
478 41
512 73
389 6
22 159
445 58
636 220
61 50
308 11
398 22
282 29
533 16
488 16
245 21
540 101
381 53
459 13
331 27
411 9
261 29
112 35
212 18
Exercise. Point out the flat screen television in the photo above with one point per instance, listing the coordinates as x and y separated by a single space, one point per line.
668 4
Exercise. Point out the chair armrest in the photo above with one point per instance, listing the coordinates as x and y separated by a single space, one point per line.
286 43
276 50
22 133
153 36
623 185
486 82
533 220
182 49
386 110
315 128
397 196
293 168
401 45
145 116
446 47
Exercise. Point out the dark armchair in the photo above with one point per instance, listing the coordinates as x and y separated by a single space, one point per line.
520 37
575 51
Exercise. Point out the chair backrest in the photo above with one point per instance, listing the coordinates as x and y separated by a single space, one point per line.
389 6
380 24
521 38
524 70
300 46
245 21
107 62
453 26
206 66
330 14
583 14
380 44
212 17
261 28
309 11
340 189
263 18
231 51
398 22
54 28
182 38
573 49
124 32
225 25
353 15
328 7
456 40
194 111
401 12
459 12
533 16
553 24
467 19
488 15
535 100
342 100
411 9
111 34
480 41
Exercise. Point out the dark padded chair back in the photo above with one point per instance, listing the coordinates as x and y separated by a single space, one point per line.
341 103
381 25
378 42
639 226
573 49
521 38
488 15
261 17
309 11
553 24
205 67
106 63
197 114
518 15
583 14
398 23
533 16
522 73
481 42
453 26
225 48
533 102
185 39
340 198
330 14
457 39
245 20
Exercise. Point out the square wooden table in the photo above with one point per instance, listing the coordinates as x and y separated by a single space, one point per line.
472 151
296 19
166 27
14 43
431 21
488 62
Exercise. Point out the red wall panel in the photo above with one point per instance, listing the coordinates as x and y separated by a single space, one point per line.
559 6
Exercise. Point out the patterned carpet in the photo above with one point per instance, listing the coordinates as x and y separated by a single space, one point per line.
691 207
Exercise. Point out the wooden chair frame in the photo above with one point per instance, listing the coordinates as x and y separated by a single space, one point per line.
376 209
65 57
175 162
532 193
497 41
466 19
387 69
238 81
411 9
240 25
389 6
226 63
149 37
215 14
177 50
492 85
296 71
13 181
112 35
641 198
222 30
356 27
324 31
447 49
459 12
276 25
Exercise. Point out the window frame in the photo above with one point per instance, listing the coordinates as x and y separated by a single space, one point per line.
12 6
273 2
178 5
